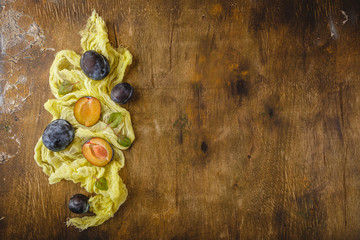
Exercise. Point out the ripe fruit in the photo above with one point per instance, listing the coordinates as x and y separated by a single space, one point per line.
79 204
122 93
94 65
87 111
58 135
97 151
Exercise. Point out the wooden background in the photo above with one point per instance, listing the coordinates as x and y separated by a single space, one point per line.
246 115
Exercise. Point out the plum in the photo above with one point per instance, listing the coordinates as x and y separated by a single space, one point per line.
98 151
78 203
94 65
87 111
122 93
58 135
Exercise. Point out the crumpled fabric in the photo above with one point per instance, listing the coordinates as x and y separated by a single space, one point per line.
70 164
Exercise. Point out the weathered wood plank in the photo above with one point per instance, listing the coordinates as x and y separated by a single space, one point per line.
246 116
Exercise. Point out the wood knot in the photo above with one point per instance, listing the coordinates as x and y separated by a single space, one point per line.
204 147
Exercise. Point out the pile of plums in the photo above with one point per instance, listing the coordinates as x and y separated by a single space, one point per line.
59 134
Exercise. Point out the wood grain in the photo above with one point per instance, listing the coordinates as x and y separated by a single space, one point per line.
245 112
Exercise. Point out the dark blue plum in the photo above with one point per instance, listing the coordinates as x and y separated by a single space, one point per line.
94 65
79 204
58 135
122 93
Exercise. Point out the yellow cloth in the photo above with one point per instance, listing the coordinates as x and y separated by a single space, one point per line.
70 164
